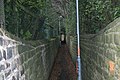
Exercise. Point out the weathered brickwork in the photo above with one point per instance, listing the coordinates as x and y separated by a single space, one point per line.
100 54
26 61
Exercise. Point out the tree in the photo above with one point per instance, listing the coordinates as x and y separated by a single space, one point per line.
27 18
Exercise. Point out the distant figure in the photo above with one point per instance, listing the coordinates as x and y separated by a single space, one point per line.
62 38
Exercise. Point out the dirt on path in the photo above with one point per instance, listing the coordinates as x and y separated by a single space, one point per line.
63 68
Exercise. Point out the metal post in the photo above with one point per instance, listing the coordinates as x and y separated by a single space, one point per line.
78 41
60 24
60 29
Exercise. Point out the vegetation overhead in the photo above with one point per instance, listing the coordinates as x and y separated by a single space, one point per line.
40 19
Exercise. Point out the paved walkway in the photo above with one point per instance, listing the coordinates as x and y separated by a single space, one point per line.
63 68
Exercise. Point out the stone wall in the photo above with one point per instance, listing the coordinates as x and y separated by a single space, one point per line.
100 54
23 60
73 48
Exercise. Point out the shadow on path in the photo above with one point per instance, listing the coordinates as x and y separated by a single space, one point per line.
63 68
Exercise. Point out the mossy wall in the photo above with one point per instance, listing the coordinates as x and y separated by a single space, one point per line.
26 60
100 53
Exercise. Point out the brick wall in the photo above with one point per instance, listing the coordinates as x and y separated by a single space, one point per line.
100 54
22 60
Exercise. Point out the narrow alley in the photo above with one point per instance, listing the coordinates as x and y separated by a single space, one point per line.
63 68
59 39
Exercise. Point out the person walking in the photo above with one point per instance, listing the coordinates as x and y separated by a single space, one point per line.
62 39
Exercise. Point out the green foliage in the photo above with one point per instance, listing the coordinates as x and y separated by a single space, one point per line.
96 14
27 35
27 18
70 21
